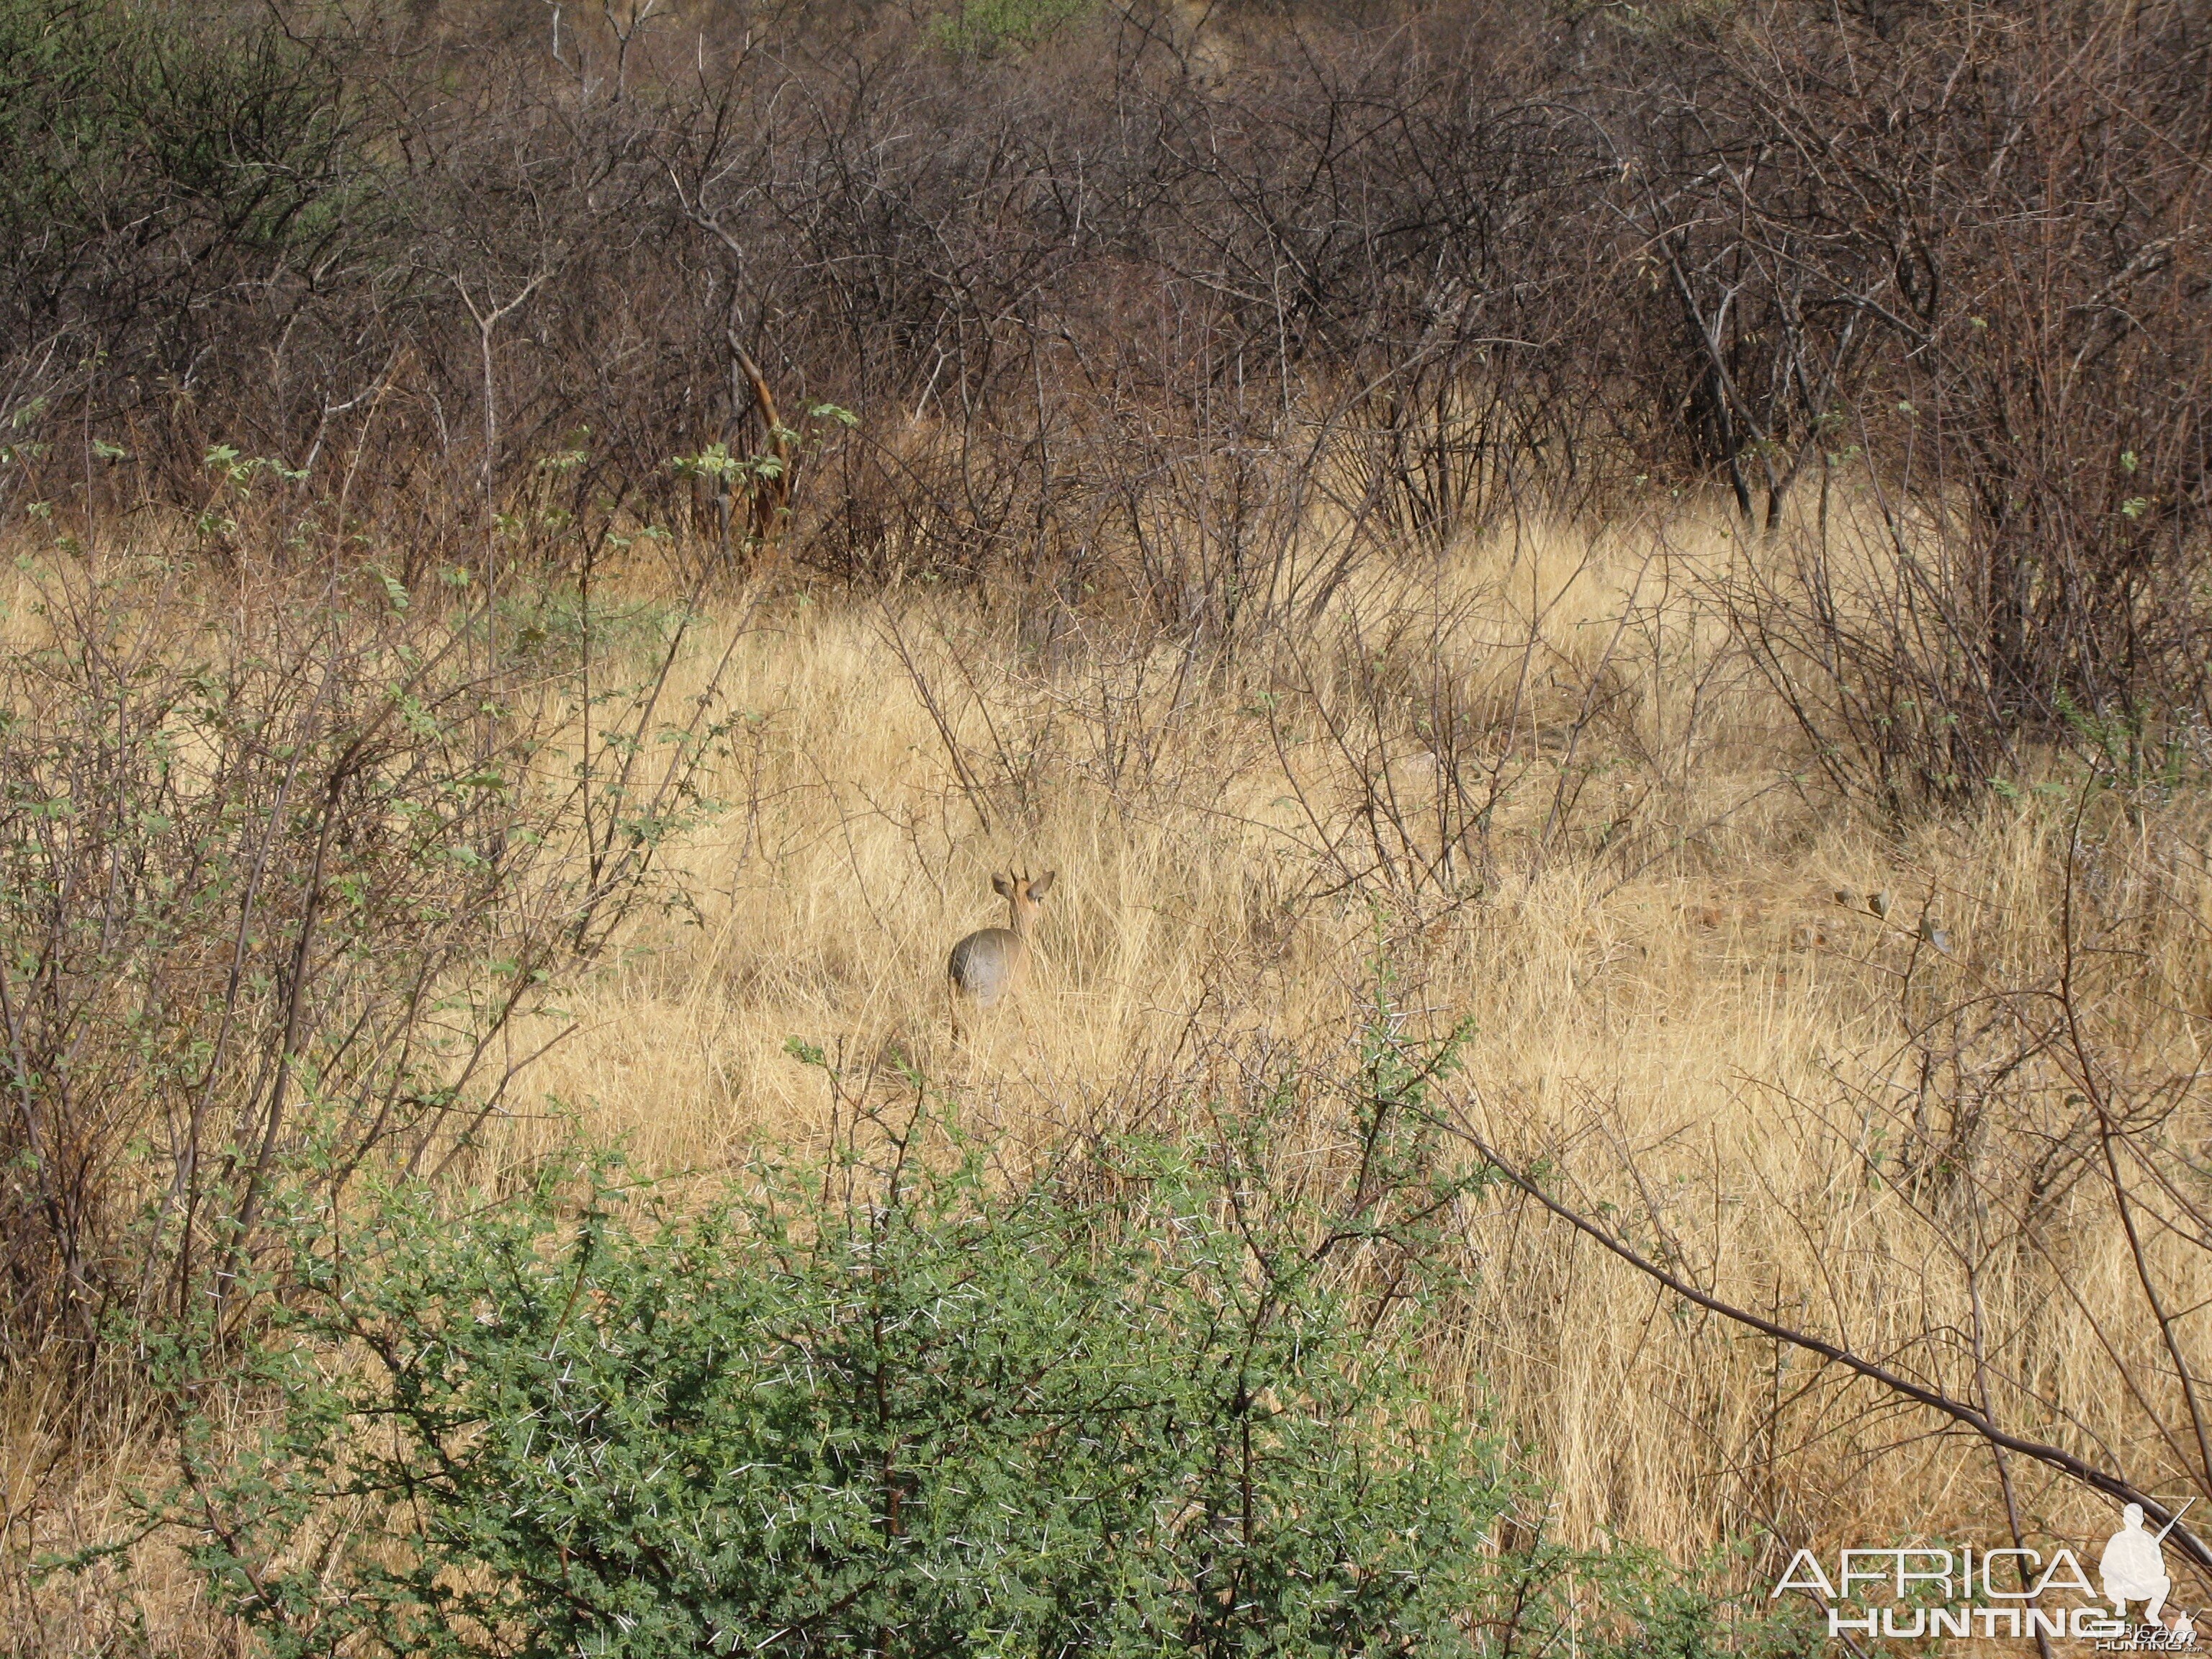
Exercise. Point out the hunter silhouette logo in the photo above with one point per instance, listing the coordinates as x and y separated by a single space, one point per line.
2133 1567
2016 1593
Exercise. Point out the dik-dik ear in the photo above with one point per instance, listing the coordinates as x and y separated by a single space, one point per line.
999 885
1037 887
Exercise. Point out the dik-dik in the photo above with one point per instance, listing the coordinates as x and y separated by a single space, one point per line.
991 962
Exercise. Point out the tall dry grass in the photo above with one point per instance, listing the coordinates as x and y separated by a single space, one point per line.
1657 924
1534 787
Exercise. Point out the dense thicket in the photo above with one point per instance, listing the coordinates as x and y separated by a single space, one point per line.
1506 249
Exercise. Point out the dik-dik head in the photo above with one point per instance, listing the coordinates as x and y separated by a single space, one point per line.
1022 894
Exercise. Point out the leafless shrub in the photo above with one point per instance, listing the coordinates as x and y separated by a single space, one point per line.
280 877
1959 262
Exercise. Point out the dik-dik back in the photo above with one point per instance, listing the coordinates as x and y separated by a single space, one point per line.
990 963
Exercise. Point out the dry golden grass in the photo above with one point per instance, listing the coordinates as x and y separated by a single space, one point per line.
1669 998
1679 994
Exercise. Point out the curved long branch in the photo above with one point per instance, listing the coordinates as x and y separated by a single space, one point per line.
2057 1457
